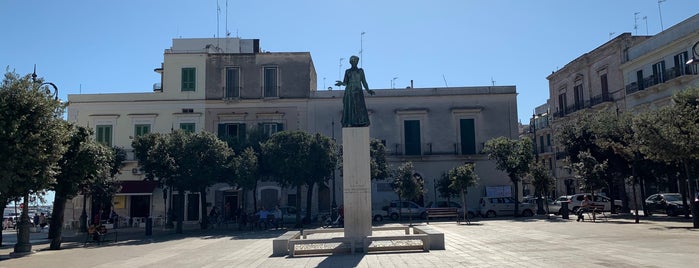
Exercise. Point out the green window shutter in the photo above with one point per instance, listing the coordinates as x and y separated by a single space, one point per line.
222 131
280 127
141 129
103 134
468 136
188 127
188 79
412 137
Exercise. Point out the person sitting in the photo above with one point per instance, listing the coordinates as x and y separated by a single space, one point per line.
262 216
585 206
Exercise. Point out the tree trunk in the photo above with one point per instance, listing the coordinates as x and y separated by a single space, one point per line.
298 207
643 195
3 205
695 219
205 216
309 201
254 198
178 214
57 218
464 206
683 191
516 197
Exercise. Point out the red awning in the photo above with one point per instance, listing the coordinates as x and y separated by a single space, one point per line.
137 187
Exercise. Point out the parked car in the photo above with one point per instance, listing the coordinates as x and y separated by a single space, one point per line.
557 205
600 201
407 209
378 215
668 203
503 206
289 214
451 204
532 202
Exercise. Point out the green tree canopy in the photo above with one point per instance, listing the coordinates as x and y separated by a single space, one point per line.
461 178
513 157
32 137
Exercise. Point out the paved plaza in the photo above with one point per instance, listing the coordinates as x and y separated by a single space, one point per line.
504 242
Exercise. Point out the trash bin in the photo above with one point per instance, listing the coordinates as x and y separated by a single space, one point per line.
564 210
149 226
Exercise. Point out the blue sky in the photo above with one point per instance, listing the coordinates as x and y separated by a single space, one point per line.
113 46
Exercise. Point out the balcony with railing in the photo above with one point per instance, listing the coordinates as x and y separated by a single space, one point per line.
426 149
652 80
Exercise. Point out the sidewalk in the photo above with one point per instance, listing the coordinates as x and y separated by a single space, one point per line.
537 241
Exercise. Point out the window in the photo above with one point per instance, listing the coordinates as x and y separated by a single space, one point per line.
468 136
270 128
188 79
639 80
270 82
541 144
104 134
140 129
412 137
548 139
231 131
188 127
232 83
680 64
605 85
659 72
578 90
562 103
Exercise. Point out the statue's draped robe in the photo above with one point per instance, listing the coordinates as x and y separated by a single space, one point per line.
354 112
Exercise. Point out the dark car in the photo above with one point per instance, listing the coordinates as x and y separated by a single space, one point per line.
668 203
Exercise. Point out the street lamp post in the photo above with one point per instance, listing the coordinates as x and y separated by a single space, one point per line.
692 184
333 212
23 245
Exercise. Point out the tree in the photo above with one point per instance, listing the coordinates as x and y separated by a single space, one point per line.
669 134
321 161
461 178
605 137
406 184
512 157
443 188
245 167
542 180
378 164
32 136
299 159
176 160
84 162
205 165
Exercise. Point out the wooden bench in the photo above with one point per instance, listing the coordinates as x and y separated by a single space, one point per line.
342 240
423 237
449 212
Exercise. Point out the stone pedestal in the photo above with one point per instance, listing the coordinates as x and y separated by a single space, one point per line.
356 182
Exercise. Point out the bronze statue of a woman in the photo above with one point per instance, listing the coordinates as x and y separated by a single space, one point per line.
354 112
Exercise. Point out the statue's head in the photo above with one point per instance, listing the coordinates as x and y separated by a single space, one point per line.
354 59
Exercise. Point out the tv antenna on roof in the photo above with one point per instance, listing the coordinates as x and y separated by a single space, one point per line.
635 22
492 81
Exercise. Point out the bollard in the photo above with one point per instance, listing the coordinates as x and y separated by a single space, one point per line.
149 226
564 210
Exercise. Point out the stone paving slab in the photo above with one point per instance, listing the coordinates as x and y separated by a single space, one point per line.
503 242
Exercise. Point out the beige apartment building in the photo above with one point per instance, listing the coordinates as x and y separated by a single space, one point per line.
632 73
228 86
